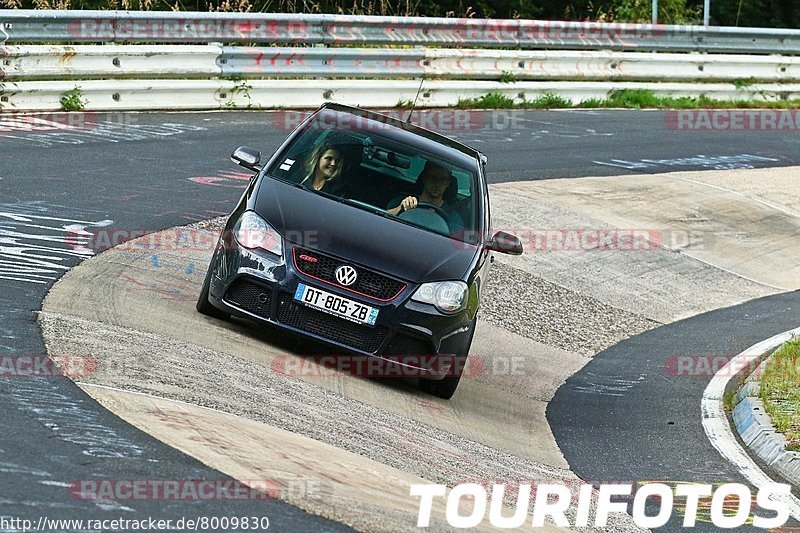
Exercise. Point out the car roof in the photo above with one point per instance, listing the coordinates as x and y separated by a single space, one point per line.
407 126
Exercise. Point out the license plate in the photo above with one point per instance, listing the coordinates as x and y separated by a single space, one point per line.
336 305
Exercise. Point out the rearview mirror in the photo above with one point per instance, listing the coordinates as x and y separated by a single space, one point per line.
247 157
505 243
391 158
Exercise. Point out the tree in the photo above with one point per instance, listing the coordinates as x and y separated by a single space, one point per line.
761 13
669 11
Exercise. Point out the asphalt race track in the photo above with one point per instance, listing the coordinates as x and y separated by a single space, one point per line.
147 172
622 418
54 435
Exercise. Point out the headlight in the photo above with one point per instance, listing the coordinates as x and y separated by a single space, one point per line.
253 232
447 296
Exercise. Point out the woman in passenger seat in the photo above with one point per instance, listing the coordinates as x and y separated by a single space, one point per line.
324 166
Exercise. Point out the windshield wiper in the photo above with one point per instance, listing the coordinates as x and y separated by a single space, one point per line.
348 201
369 207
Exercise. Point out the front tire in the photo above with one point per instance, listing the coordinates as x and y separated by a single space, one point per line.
203 306
443 388
446 388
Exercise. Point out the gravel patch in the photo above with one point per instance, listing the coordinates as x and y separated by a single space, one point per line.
214 225
548 313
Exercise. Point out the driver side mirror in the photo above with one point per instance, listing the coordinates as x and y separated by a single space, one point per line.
247 157
505 243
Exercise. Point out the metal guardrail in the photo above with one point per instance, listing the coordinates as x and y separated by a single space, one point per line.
507 65
321 62
370 61
58 62
111 61
119 95
35 26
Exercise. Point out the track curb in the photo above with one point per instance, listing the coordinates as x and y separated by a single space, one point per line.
756 430
718 429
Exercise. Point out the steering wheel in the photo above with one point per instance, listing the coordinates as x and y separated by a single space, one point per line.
435 219
438 210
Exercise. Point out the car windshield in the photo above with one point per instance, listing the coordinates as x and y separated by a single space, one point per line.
375 166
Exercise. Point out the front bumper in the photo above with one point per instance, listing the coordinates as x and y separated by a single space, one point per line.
410 335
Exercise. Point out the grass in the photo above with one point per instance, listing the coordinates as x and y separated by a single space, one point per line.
549 101
73 100
508 77
500 101
779 389
628 99
728 399
642 98
743 83
487 101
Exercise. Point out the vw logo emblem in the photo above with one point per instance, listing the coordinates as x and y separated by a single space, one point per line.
345 275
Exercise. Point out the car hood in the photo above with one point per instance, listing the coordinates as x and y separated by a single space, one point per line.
356 235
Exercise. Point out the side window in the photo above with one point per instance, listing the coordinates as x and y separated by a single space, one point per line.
464 183
292 165
417 164
487 216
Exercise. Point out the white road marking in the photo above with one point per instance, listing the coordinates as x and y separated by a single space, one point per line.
35 248
607 385
55 484
737 193
737 274
718 430
720 162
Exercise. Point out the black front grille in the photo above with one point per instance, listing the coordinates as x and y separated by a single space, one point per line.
407 345
368 283
251 297
336 329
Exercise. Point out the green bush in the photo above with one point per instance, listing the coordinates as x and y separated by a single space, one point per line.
548 101
669 12
487 101
73 100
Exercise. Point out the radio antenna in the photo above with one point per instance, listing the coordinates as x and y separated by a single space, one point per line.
414 104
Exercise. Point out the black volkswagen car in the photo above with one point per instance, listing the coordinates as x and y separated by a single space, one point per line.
366 233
